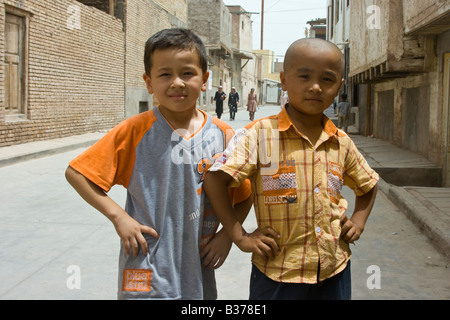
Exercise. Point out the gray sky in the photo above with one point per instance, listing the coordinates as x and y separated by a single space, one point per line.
284 21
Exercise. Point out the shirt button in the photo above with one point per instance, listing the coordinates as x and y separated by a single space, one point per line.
317 229
316 190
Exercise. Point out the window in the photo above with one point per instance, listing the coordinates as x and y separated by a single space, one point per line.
331 21
337 11
107 6
15 64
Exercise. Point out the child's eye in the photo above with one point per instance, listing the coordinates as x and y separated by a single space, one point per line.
164 74
304 76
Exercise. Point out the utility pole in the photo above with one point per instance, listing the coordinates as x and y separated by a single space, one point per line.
262 24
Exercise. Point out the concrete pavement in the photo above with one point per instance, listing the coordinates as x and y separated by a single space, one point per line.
407 180
47 232
27 151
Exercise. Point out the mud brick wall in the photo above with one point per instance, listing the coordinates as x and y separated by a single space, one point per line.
76 68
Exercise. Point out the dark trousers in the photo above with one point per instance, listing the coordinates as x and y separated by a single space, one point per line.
337 287
219 111
232 112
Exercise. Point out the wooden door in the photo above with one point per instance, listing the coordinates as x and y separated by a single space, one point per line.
14 30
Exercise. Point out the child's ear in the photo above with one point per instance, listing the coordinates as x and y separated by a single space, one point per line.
339 88
205 81
342 82
148 83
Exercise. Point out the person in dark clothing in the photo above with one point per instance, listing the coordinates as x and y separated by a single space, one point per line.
218 98
233 101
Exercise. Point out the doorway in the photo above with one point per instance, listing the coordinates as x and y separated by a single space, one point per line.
447 113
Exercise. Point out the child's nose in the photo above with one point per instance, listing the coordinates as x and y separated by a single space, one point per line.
316 87
178 83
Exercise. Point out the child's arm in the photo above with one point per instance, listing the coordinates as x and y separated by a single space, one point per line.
128 229
351 229
260 242
216 251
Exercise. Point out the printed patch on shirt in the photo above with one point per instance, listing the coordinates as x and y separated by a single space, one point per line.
137 280
281 187
335 181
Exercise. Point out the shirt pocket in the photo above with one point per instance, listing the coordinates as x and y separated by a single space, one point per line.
280 188
335 181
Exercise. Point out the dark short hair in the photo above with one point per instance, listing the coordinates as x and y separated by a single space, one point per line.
174 38
344 96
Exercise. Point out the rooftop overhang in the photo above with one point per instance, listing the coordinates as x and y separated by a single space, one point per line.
242 54
437 26
389 69
220 50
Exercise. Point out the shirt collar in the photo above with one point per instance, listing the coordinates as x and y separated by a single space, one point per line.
284 123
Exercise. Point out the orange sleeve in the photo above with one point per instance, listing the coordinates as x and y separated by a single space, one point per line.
110 160
241 193
244 190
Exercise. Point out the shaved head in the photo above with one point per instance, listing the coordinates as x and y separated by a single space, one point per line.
314 44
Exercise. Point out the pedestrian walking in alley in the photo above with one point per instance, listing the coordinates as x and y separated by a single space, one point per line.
252 103
343 109
233 101
162 224
219 97
314 209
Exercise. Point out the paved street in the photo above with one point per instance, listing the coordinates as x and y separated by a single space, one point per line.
54 246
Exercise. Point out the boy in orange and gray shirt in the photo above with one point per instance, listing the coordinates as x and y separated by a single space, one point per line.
298 162
161 156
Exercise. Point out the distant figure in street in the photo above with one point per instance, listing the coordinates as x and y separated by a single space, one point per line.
252 103
233 100
343 109
298 162
169 241
219 98
334 105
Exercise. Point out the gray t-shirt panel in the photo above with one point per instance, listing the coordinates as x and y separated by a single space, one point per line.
164 193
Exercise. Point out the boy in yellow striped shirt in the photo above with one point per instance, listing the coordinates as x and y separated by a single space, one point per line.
298 162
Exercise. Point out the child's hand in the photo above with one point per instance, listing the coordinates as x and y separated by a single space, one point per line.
130 231
350 231
261 242
215 252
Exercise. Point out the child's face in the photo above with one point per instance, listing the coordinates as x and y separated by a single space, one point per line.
312 79
176 78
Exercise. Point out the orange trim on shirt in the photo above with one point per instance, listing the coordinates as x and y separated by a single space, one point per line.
110 161
225 127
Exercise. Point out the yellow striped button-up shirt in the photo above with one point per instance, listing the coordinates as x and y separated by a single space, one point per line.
297 192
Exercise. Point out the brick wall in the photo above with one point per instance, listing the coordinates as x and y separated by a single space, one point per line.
75 75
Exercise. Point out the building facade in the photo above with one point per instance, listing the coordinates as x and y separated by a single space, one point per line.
399 74
212 22
227 34
74 67
62 72
244 63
